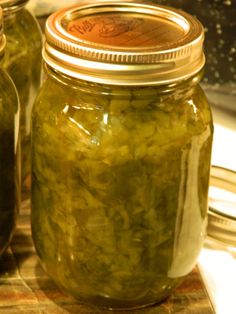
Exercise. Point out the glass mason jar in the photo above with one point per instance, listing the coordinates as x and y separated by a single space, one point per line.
121 147
9 152
23 62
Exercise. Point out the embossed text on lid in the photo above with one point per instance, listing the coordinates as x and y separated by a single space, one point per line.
127 30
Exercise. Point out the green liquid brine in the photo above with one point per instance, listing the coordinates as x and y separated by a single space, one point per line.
9 159
9 153
119 185
22 60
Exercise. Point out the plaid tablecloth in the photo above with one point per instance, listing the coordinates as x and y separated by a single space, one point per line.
25 287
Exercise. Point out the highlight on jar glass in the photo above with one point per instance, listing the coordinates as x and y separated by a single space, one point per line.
9 152
22 60
121 149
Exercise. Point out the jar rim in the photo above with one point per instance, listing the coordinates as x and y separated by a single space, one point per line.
161 45
10 6
222 205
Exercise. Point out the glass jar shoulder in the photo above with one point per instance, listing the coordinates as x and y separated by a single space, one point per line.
120 123
23 22
57 90
30 26
23 37
186 107
202 107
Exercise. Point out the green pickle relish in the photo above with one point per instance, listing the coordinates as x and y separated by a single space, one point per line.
9 153
22 61
120 154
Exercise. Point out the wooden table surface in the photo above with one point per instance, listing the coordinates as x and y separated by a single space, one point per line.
25 287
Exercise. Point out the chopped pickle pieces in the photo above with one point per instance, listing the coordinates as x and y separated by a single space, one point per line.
117 176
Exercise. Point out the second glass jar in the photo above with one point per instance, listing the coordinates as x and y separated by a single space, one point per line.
9 152
22 60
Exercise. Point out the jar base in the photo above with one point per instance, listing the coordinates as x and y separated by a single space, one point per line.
106 304
117 308
138 307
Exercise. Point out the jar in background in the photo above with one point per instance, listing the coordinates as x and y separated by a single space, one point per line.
9 152
23 62
121 147
45 7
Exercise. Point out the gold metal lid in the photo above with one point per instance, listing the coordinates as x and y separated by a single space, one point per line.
124 43
2 37
12 5
222 205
